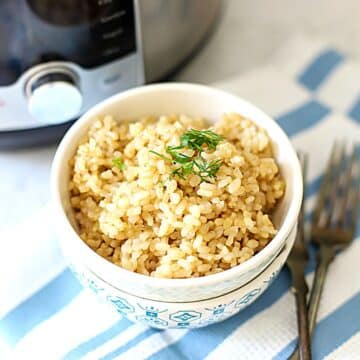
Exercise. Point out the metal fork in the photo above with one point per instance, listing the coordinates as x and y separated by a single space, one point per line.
334 218
296 263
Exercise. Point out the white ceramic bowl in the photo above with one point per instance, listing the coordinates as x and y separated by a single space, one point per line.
193 100
170 315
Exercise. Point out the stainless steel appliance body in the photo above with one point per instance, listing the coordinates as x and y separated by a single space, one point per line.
57 59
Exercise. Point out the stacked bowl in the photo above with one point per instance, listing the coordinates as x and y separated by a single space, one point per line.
178 303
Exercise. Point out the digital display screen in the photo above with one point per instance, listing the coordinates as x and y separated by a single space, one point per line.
89 33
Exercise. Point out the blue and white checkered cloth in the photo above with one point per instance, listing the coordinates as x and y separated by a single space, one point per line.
313 92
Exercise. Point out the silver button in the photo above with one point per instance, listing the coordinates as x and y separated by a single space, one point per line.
54 98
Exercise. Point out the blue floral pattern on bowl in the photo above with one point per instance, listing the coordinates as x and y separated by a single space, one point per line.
122 306
185 318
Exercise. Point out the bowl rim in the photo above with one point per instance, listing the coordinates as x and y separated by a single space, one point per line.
270 249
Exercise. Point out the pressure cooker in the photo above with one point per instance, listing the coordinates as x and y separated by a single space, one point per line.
59 58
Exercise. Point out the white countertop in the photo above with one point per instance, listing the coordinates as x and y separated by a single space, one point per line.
247 34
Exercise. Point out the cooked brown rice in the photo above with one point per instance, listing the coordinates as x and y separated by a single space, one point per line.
146 221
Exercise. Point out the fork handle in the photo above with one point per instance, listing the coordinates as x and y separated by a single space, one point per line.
325 256
303 329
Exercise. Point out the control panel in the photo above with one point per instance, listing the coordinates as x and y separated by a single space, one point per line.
58 59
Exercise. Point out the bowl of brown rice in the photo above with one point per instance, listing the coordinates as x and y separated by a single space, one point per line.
175 192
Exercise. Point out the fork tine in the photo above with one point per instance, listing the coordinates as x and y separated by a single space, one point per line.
303 157
338 190
319 211
353 194
339 213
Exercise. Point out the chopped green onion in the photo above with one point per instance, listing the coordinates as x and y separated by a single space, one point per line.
194 140
119 163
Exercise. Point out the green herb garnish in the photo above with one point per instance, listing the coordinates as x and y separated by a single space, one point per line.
176 156
119 163
196 140
160 155
207 169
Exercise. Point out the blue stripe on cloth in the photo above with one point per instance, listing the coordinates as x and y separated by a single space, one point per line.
328 335
354 112
302 117
39 307
91 344
320 68
129 344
